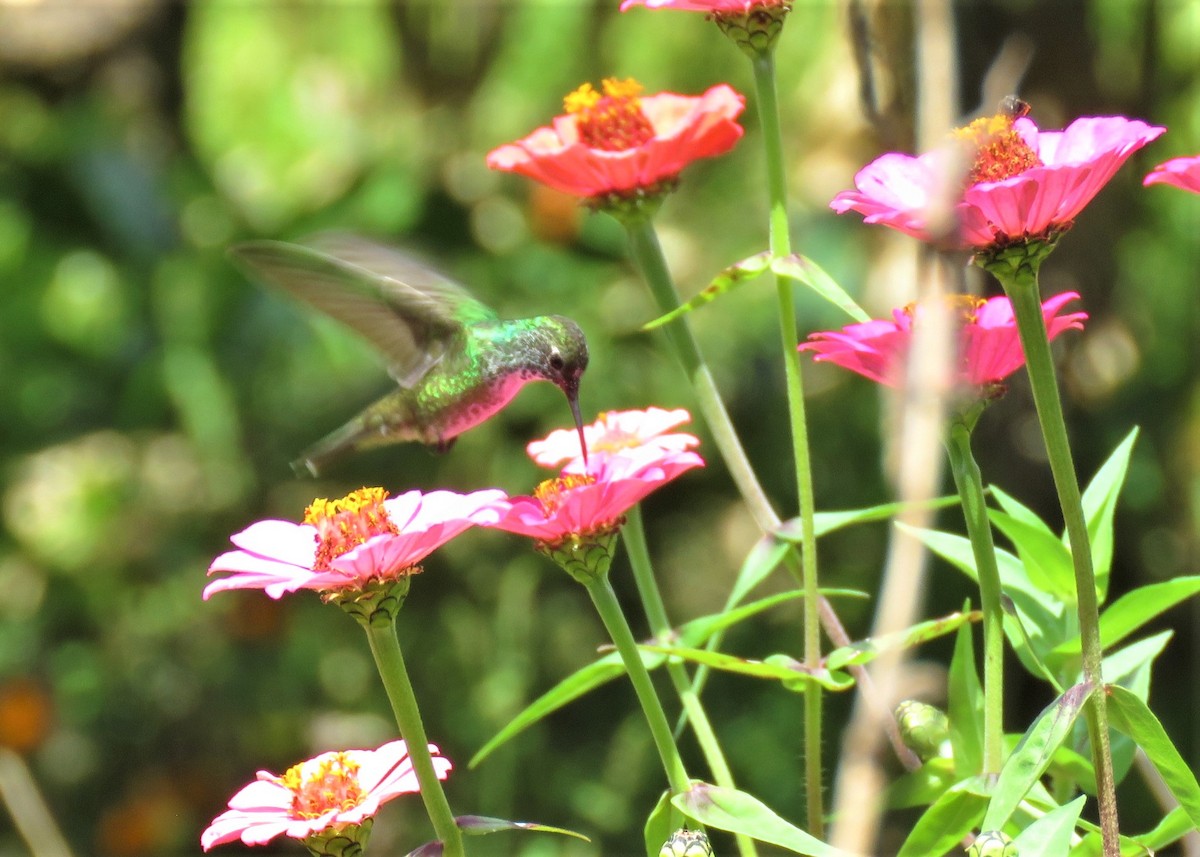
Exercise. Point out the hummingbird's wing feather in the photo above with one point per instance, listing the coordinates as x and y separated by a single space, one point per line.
406 310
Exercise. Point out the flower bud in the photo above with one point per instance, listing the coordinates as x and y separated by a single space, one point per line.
923 728
992 843
687 843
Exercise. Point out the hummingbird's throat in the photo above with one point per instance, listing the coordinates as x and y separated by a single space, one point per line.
995 148
344 524
613 121
326 783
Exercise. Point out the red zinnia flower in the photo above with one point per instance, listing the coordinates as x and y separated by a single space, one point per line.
1022 184
330 791
343 544
618 142
615 432
989 348
1181 172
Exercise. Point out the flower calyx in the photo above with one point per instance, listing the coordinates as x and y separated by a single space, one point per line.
687 843
756 30
587 558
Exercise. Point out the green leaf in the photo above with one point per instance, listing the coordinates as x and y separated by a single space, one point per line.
965 704
922 786
1099 504
1033 754
865 651
1134 609
736 274
738 812
659 825
1050 835
783 668
1174 826
697 631
481 825
577 684
1130 667
763 558
827 522
950 818
1131 715
1047 560
804 270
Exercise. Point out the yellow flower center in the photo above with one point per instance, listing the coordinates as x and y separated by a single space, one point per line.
613 121
998 152
329 782
614 439
964 307
344 524
551 492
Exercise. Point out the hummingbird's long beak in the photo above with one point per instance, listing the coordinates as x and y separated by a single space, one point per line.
573 400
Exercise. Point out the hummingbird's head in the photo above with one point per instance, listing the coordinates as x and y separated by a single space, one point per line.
562 361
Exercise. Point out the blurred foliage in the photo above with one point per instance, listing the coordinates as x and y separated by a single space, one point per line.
152 397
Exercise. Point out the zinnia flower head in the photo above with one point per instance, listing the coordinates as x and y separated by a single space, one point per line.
616 142
1021 183
331 792
1180 172
989 348
753 25
613 433
345 544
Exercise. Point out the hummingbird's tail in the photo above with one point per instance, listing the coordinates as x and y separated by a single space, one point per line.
328 449
387 421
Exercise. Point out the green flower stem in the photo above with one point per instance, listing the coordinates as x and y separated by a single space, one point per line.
656 613
768 111
605 600
969 483
1021 285
385 646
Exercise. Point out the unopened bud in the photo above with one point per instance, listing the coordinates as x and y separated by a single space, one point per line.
923 728
687 843
992 843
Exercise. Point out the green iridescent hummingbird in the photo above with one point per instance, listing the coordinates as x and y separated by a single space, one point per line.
456 363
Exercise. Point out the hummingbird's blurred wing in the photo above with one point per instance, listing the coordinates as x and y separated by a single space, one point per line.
409 312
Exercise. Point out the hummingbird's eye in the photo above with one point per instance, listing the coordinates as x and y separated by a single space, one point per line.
556 361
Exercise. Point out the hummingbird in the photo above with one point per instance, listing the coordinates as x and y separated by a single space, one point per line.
456 362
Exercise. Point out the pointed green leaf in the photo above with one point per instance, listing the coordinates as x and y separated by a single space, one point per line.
577 684
865 651
1099 504
804 270
1047 560
949 818
922 786
659 827
763 558
827 522
1132 716
793 674
736 274
1033 754
965 704
738 812
697 631
1050 835
1069 765
481 825
1174 826
1134 609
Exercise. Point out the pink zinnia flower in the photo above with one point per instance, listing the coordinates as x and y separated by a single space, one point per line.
712 7
332 790
1022 184
613 433
346 543
618 142
989 349
579 507
1181 172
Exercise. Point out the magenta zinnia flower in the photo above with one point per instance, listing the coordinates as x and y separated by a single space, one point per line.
330 791
989 348
1022 184
614 432
620 143
344 544
1180 172
578 507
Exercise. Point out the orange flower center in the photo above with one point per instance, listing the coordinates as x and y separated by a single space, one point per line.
999 152
613 121
344 524
551 492
964 308
329 782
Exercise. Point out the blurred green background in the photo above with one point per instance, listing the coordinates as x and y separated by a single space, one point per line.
152 397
